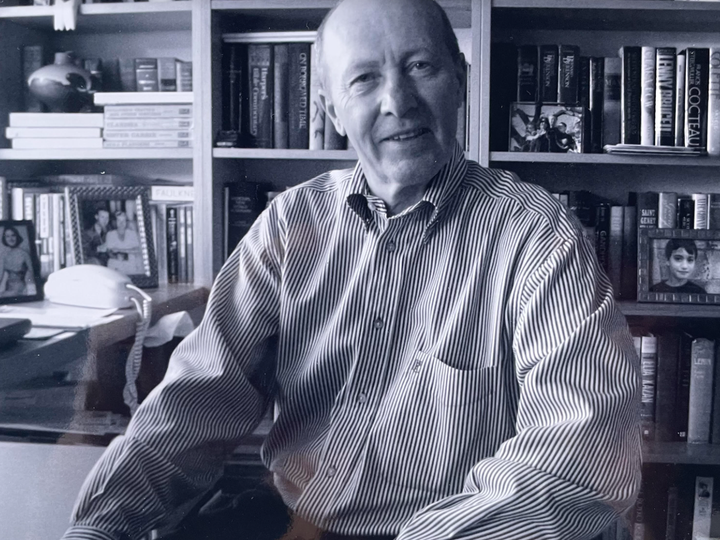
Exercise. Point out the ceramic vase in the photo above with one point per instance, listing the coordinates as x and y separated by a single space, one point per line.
61 86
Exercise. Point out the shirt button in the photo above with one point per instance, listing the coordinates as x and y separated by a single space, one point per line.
390 246
332 471
362 398
378 323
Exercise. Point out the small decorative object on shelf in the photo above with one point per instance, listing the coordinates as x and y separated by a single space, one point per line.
536 127
62 86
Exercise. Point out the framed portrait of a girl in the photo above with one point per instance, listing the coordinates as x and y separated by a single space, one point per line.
19 263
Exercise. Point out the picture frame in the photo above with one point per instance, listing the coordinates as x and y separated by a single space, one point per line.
680 266
547 128
111 226
20 279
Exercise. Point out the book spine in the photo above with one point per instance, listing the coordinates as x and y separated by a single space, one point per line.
701 206
630 95
281 105
260 79
167 76
113 112
299 96
4 200
696 99
685 213
548 73
182 245
243 204
702 509
701 384
147 134
683 388
667 210
628 286
94 67
568 70
38 132
665 96
668 348
671 513
172 193
56 142
715 415
611 101
158 212
56 227
527 73
171 230
146 75
638 527
190 241
713 120
128 81
231 66
602 235
143 143
32 60
648 373
647 96
615 248
316 135
596 103
183 76
714 211
648 204
680 99
149 124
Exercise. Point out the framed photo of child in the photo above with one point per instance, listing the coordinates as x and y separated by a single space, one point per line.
679 266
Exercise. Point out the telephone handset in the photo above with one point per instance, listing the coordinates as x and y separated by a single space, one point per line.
95 286
89 285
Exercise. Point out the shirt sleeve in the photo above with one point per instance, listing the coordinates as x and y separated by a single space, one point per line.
217 388
574 462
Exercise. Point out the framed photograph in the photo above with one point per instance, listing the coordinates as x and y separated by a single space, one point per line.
679 266
111 227
543 127
19 263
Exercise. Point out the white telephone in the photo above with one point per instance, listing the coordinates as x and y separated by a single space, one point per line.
94 286
89 285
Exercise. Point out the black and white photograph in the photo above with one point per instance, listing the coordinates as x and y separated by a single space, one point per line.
545 128
679 266
111 229
19 265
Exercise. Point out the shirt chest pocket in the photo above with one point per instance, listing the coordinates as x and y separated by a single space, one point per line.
434 425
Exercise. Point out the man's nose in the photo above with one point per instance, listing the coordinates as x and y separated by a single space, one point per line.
398 96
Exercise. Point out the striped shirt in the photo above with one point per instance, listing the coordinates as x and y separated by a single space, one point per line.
459 370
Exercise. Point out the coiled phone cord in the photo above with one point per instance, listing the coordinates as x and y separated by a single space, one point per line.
132 366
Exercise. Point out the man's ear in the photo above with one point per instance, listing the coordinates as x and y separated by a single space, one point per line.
327 104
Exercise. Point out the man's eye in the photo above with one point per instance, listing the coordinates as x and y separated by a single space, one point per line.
420 66
360 79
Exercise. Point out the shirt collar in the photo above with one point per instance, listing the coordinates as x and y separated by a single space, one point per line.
438 194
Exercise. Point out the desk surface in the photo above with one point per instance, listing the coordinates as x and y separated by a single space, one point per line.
27 359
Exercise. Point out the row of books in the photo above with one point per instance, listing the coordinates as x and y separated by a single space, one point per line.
148 74
173 223
680 393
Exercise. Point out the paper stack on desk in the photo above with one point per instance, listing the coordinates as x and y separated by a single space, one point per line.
49 319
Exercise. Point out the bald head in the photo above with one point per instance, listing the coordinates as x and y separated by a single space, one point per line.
348 10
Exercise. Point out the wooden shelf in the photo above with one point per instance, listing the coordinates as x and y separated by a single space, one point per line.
681 453
96 154
270 153
116 17
685 311
602 159
611 15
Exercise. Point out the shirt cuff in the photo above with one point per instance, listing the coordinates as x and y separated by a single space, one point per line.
87 533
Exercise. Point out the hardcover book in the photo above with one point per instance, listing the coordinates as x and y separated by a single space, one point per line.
167 75
696 97
701 385
631 94
299 94
668 352
701 202
260 92
568 66
648 373
713 136
172 253
647 96
548 73
667 210
547 128
281 103
685 213
596 103
665 96
647 203
232 59
680 99
183 76
527 73
146 75
611 101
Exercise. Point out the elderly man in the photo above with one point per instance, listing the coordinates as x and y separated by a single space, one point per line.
441 348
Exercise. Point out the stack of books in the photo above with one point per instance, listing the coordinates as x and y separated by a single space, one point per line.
37 130
146 119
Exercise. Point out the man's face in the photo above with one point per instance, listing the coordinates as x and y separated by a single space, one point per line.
103 218
392 87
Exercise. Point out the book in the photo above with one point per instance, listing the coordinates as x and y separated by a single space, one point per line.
696 99
167 75
184 75
671 513
527 73
70 120
190 242
182 244
56 143
615 251
713 211
685 213
147 134
298 94
680 99
647 204
146 75
33 58
141 98
667 210
668 351
568 66
149 123
281 105
700 210
683 387
232 59
144 143
316 130
171 248
602 235
596 103
648 373
114 112
172 193
260 91
628 283
713 119
243 202
4 199
611 101
702 508
665 96
630 109
127 75
548 73
47 132
94 67
647 96
701 385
